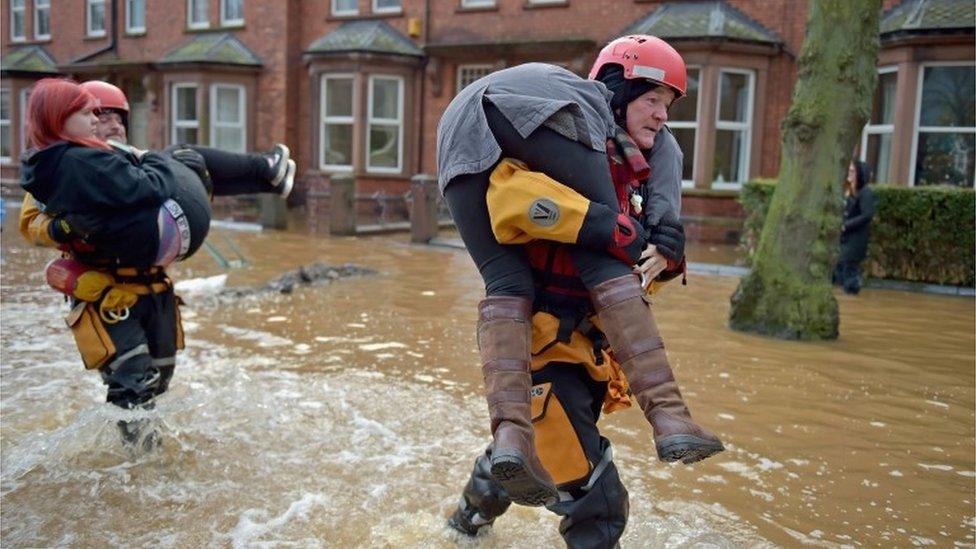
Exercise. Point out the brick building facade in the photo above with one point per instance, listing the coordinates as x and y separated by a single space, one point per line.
357 86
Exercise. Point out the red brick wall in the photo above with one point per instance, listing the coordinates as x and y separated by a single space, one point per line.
712 216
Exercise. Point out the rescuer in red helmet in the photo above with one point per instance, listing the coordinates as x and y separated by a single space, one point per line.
124 314
572 375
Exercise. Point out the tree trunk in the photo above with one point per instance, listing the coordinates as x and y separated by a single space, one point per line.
788 294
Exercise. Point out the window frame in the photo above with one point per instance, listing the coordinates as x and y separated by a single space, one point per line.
917 129
349 120
89 32
878 129
547 2
475 66
8 122
37 10
242 115
477 4
176 125
224 22
384 11
370 121
337 13
129 28
687 125
190 24
746 127
22 37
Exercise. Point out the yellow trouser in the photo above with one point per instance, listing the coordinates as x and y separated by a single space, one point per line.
556 438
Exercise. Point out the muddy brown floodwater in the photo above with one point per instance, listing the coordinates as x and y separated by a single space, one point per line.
348 414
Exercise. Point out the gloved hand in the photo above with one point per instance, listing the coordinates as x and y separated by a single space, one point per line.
669 237
194 160
73 226
629 238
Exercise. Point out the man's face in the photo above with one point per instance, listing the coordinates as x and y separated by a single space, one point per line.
647 114
109 126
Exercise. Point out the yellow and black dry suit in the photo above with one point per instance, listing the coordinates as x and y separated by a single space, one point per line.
574 380
126 323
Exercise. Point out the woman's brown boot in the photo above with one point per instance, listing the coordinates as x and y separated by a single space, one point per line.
504 338
629 325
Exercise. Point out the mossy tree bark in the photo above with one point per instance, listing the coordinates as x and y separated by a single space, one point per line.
787 294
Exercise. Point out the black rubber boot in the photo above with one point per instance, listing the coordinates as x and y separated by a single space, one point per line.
139 435
597 514
482 501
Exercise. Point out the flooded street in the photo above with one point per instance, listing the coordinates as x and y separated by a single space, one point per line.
348 415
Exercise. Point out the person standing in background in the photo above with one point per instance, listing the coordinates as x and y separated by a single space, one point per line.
859 209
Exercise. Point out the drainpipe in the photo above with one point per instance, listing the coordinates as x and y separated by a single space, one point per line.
113 36
423 88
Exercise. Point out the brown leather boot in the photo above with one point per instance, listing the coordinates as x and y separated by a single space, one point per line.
504 337
629 325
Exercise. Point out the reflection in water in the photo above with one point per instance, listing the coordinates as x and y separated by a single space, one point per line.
348 415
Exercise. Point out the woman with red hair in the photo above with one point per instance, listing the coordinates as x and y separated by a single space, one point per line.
150 210
59 110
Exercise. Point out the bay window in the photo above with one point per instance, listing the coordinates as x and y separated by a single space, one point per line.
228 117
945 139
336 128
733 128
877 135
683 121
385 124
185 124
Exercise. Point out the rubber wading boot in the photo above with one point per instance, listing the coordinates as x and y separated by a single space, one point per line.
504 336
629 325
139 435
482 501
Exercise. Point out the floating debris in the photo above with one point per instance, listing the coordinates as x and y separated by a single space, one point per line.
306 275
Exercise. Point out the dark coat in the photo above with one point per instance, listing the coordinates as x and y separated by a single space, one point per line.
858 212
125 194
66 177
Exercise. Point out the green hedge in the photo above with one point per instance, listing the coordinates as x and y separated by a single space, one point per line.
919 234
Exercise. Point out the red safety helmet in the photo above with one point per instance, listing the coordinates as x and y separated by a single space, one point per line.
108 95
645 57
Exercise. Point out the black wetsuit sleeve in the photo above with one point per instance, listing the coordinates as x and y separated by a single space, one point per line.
94 179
